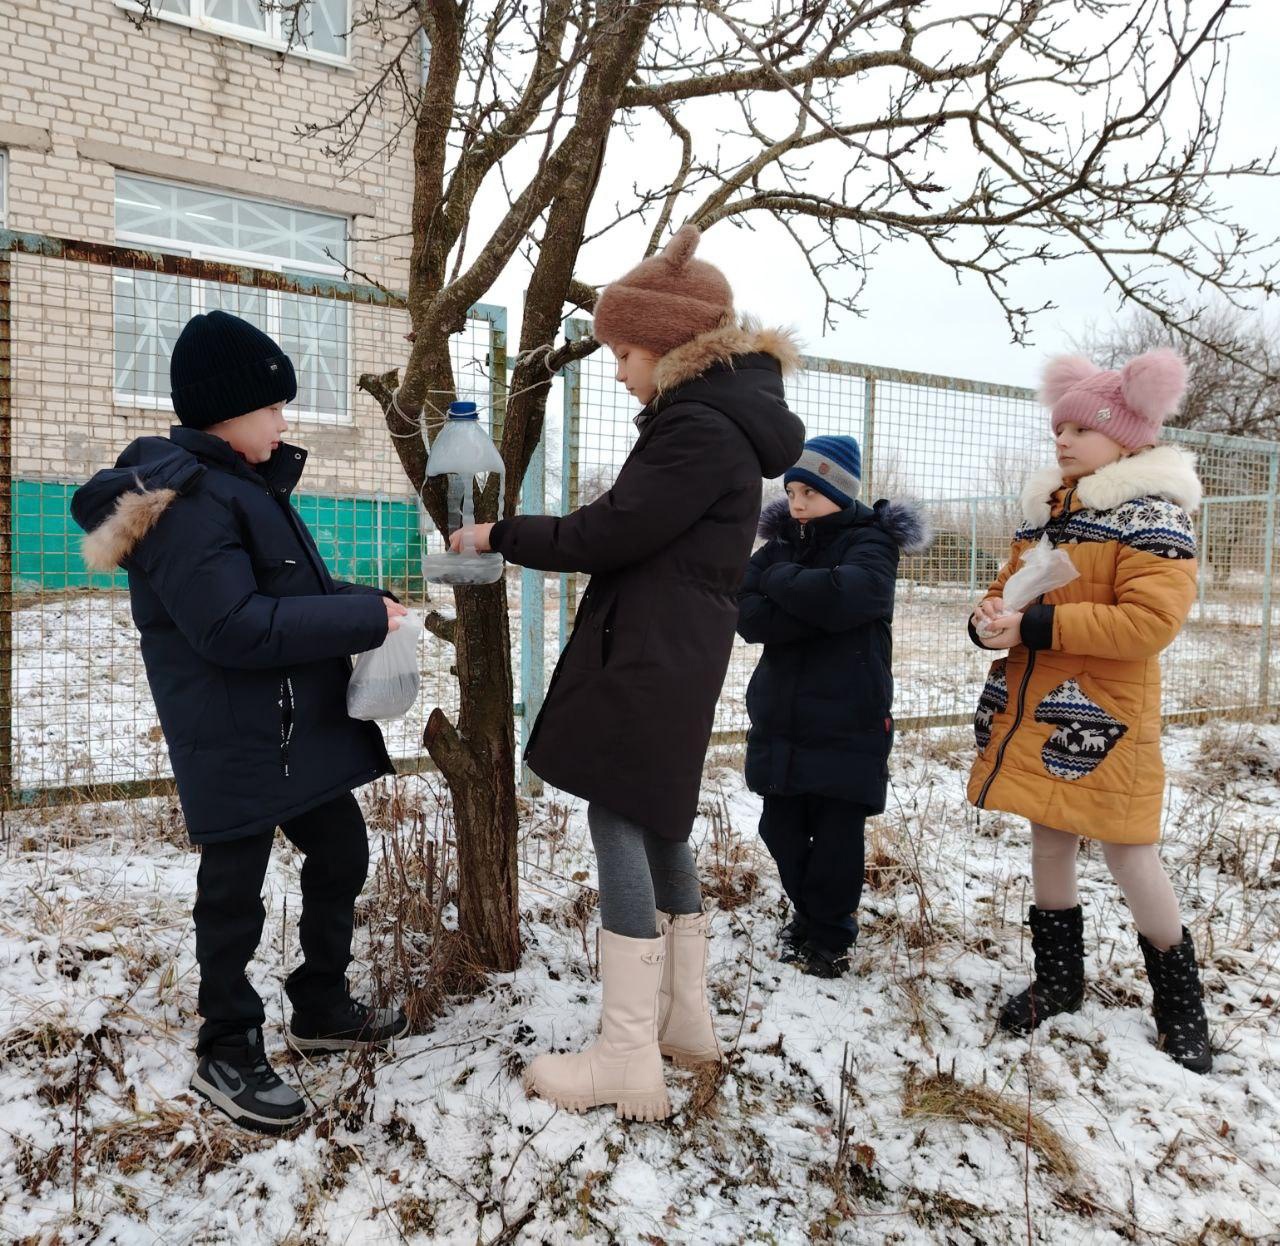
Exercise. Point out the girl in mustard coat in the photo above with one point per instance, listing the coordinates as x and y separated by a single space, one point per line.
1068 725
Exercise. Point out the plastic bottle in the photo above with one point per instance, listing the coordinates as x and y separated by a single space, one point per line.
465 454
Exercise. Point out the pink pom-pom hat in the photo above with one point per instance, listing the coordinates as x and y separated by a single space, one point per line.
1128 405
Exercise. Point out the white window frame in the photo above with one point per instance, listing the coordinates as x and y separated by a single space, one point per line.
248 259
4 188
273 37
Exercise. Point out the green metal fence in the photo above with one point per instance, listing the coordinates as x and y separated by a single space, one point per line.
370 540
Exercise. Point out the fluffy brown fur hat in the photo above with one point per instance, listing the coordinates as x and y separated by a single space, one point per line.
666 300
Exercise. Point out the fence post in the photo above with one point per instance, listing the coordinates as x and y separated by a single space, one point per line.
868 434
6 533
497 317
1203 553
569 430
973 546
533 501
1268 570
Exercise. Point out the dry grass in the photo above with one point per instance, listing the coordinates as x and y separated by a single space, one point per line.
912 953
726 862
942 1096
417 959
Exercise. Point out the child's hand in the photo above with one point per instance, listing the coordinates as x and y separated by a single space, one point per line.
1005 632
395 612
986 613
478 532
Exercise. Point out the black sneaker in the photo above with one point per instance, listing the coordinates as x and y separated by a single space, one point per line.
824 962
349 1026
791 941
235 1076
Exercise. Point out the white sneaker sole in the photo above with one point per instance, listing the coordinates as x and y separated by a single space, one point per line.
328 1046
242 1116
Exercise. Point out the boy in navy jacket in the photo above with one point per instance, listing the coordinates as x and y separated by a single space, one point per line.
819 596
246 640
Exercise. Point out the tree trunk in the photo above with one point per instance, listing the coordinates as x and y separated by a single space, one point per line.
478 762
477 757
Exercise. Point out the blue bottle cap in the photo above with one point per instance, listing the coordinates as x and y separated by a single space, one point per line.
463 411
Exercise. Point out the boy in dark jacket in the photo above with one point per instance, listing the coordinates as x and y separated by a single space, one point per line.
819 596
246 640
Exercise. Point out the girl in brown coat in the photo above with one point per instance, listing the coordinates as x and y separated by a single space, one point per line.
1068 725
630 707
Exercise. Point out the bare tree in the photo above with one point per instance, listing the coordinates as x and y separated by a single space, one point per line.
1233 386
1002 135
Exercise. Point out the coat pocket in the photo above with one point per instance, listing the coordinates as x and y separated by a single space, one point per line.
1084 733
279 577
994 700
592 637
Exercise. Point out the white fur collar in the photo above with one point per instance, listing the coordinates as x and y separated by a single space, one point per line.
1166 471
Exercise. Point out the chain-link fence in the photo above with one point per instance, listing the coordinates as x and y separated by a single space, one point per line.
961 450
85 336
86 332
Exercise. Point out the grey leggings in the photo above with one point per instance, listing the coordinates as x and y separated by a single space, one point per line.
639 873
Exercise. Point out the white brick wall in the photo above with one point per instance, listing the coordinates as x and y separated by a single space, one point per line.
80 69
192 107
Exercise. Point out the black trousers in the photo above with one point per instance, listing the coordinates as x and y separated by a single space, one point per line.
229 915
817 842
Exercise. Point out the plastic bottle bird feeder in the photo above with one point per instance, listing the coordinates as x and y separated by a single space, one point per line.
463 453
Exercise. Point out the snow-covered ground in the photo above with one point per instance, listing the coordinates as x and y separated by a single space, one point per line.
937 1130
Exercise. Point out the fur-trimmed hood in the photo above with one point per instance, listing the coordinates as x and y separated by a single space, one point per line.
906 524
1164 471
736 370
737 337
120 505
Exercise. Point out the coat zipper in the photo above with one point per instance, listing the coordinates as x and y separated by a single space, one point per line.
1017 721
286 720
1022 688
801 554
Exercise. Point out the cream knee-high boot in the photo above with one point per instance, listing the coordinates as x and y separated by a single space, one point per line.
623 1066
686 1033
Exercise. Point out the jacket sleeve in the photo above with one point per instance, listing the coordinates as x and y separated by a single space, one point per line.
345 586
1154 595
760 620
995 589
195 563
662 490
835 599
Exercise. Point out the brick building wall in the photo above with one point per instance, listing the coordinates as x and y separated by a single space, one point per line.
85 98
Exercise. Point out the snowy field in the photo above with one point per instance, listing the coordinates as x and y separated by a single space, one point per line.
84 712
880 1108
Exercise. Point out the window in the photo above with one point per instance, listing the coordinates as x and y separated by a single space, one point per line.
4 188
150 309
320 32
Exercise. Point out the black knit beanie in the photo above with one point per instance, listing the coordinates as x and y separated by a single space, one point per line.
223 367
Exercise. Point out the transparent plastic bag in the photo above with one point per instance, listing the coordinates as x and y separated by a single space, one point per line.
1043 569
386 680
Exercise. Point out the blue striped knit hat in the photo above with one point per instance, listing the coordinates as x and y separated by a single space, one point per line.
832 465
